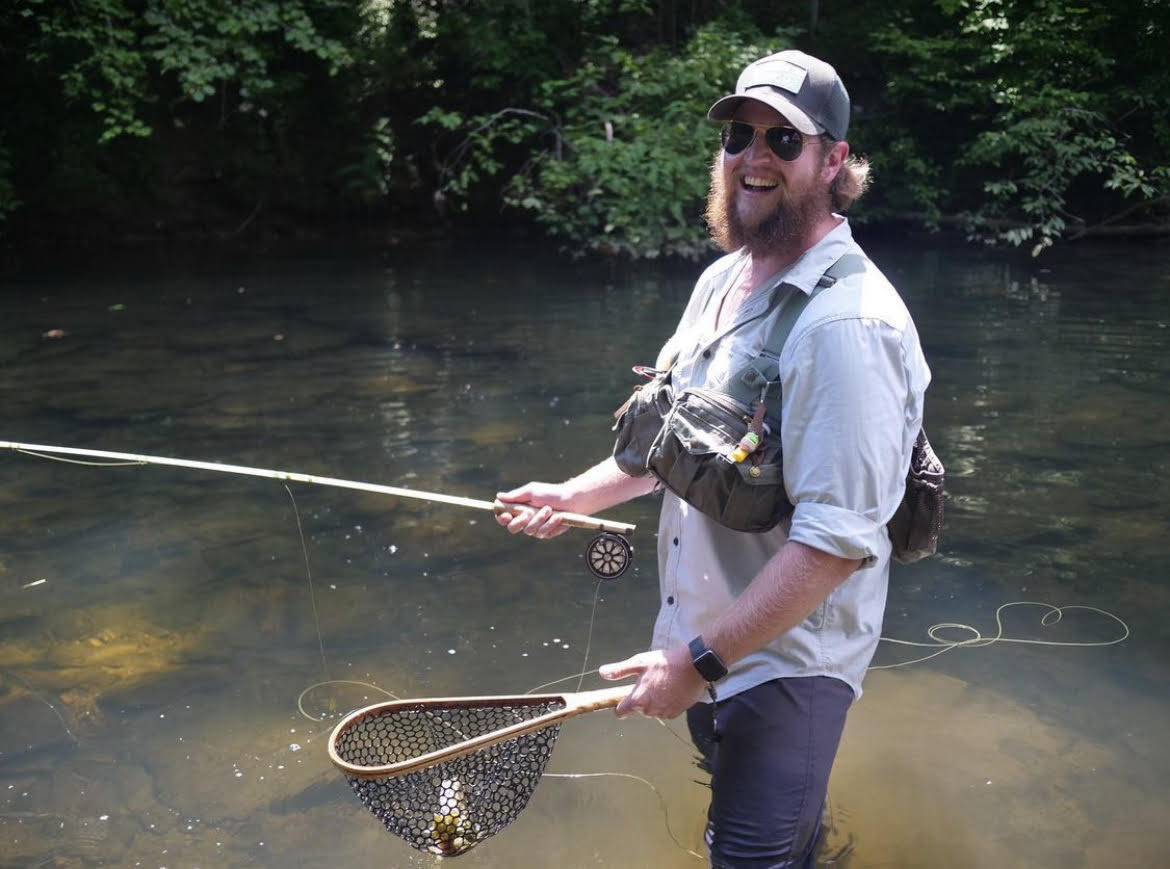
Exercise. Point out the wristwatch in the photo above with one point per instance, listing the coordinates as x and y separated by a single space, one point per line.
709 664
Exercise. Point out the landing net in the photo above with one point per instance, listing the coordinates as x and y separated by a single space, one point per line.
447 808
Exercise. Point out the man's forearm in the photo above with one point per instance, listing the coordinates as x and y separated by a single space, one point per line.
792 584
604 486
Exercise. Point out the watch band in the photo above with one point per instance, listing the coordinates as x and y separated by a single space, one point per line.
709 665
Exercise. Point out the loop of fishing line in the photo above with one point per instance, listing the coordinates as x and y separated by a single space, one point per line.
316 685
977 640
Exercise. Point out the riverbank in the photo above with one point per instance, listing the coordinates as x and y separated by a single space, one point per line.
60 243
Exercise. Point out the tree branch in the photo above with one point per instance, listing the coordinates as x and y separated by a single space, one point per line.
459 152
1105 229
1096 228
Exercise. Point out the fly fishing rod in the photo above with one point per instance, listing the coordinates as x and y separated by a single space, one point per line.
607 555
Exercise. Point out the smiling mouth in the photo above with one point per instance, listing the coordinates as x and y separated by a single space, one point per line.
756 184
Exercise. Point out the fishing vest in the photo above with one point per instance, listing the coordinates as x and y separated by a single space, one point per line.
720 449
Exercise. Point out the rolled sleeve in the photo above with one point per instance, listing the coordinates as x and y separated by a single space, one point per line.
838 531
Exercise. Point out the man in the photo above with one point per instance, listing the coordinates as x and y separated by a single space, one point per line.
780 625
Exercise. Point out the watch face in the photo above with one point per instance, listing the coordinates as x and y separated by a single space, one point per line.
710 667
705 660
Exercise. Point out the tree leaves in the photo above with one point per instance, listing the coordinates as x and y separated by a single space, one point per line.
585 117
1036 114
621 145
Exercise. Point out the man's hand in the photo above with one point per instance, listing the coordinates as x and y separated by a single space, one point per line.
531 509
667 686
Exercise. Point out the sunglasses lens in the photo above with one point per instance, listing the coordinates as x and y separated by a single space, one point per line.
785 142
737 136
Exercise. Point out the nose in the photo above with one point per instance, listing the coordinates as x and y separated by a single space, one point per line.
757 151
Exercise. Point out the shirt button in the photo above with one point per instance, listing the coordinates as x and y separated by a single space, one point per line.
670 600
706 354
676 541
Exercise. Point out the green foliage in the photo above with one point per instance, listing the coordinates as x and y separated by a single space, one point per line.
104 74
106 52
92 47
632 177
1032 120
1052 131
619 166
207 45
369 173
1040 136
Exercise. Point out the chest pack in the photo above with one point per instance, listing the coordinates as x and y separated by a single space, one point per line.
721 452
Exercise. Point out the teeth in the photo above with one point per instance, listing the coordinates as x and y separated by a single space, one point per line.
752 181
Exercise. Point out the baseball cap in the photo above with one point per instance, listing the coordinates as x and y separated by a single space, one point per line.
805 90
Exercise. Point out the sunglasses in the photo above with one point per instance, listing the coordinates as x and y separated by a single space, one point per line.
785 142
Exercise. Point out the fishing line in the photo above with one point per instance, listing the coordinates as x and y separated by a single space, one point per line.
637 778
309 573
585 671
582 775
79 461
1052 616
580 677
301 696
589 635
37 695
977 640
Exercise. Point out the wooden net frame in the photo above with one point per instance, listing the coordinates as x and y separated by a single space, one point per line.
445 774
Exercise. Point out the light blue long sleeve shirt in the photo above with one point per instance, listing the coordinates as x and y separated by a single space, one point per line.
853 377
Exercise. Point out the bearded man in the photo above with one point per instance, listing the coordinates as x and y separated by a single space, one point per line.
763 638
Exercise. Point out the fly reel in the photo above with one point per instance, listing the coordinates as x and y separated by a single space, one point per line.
608 555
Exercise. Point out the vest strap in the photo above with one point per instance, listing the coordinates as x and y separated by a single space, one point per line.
760 380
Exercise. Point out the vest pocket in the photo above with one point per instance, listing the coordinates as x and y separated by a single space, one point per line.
690 457
639 421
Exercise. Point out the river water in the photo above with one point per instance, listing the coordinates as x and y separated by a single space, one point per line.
172 659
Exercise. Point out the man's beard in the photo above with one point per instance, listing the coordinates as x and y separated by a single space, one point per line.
789 224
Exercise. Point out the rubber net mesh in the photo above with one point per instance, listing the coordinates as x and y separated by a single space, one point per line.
450 807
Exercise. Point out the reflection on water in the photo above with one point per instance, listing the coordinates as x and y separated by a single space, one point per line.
168 676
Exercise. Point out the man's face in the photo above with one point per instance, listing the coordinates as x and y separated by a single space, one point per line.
762 202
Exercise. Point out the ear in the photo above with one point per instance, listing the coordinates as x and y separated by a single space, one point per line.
833 161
